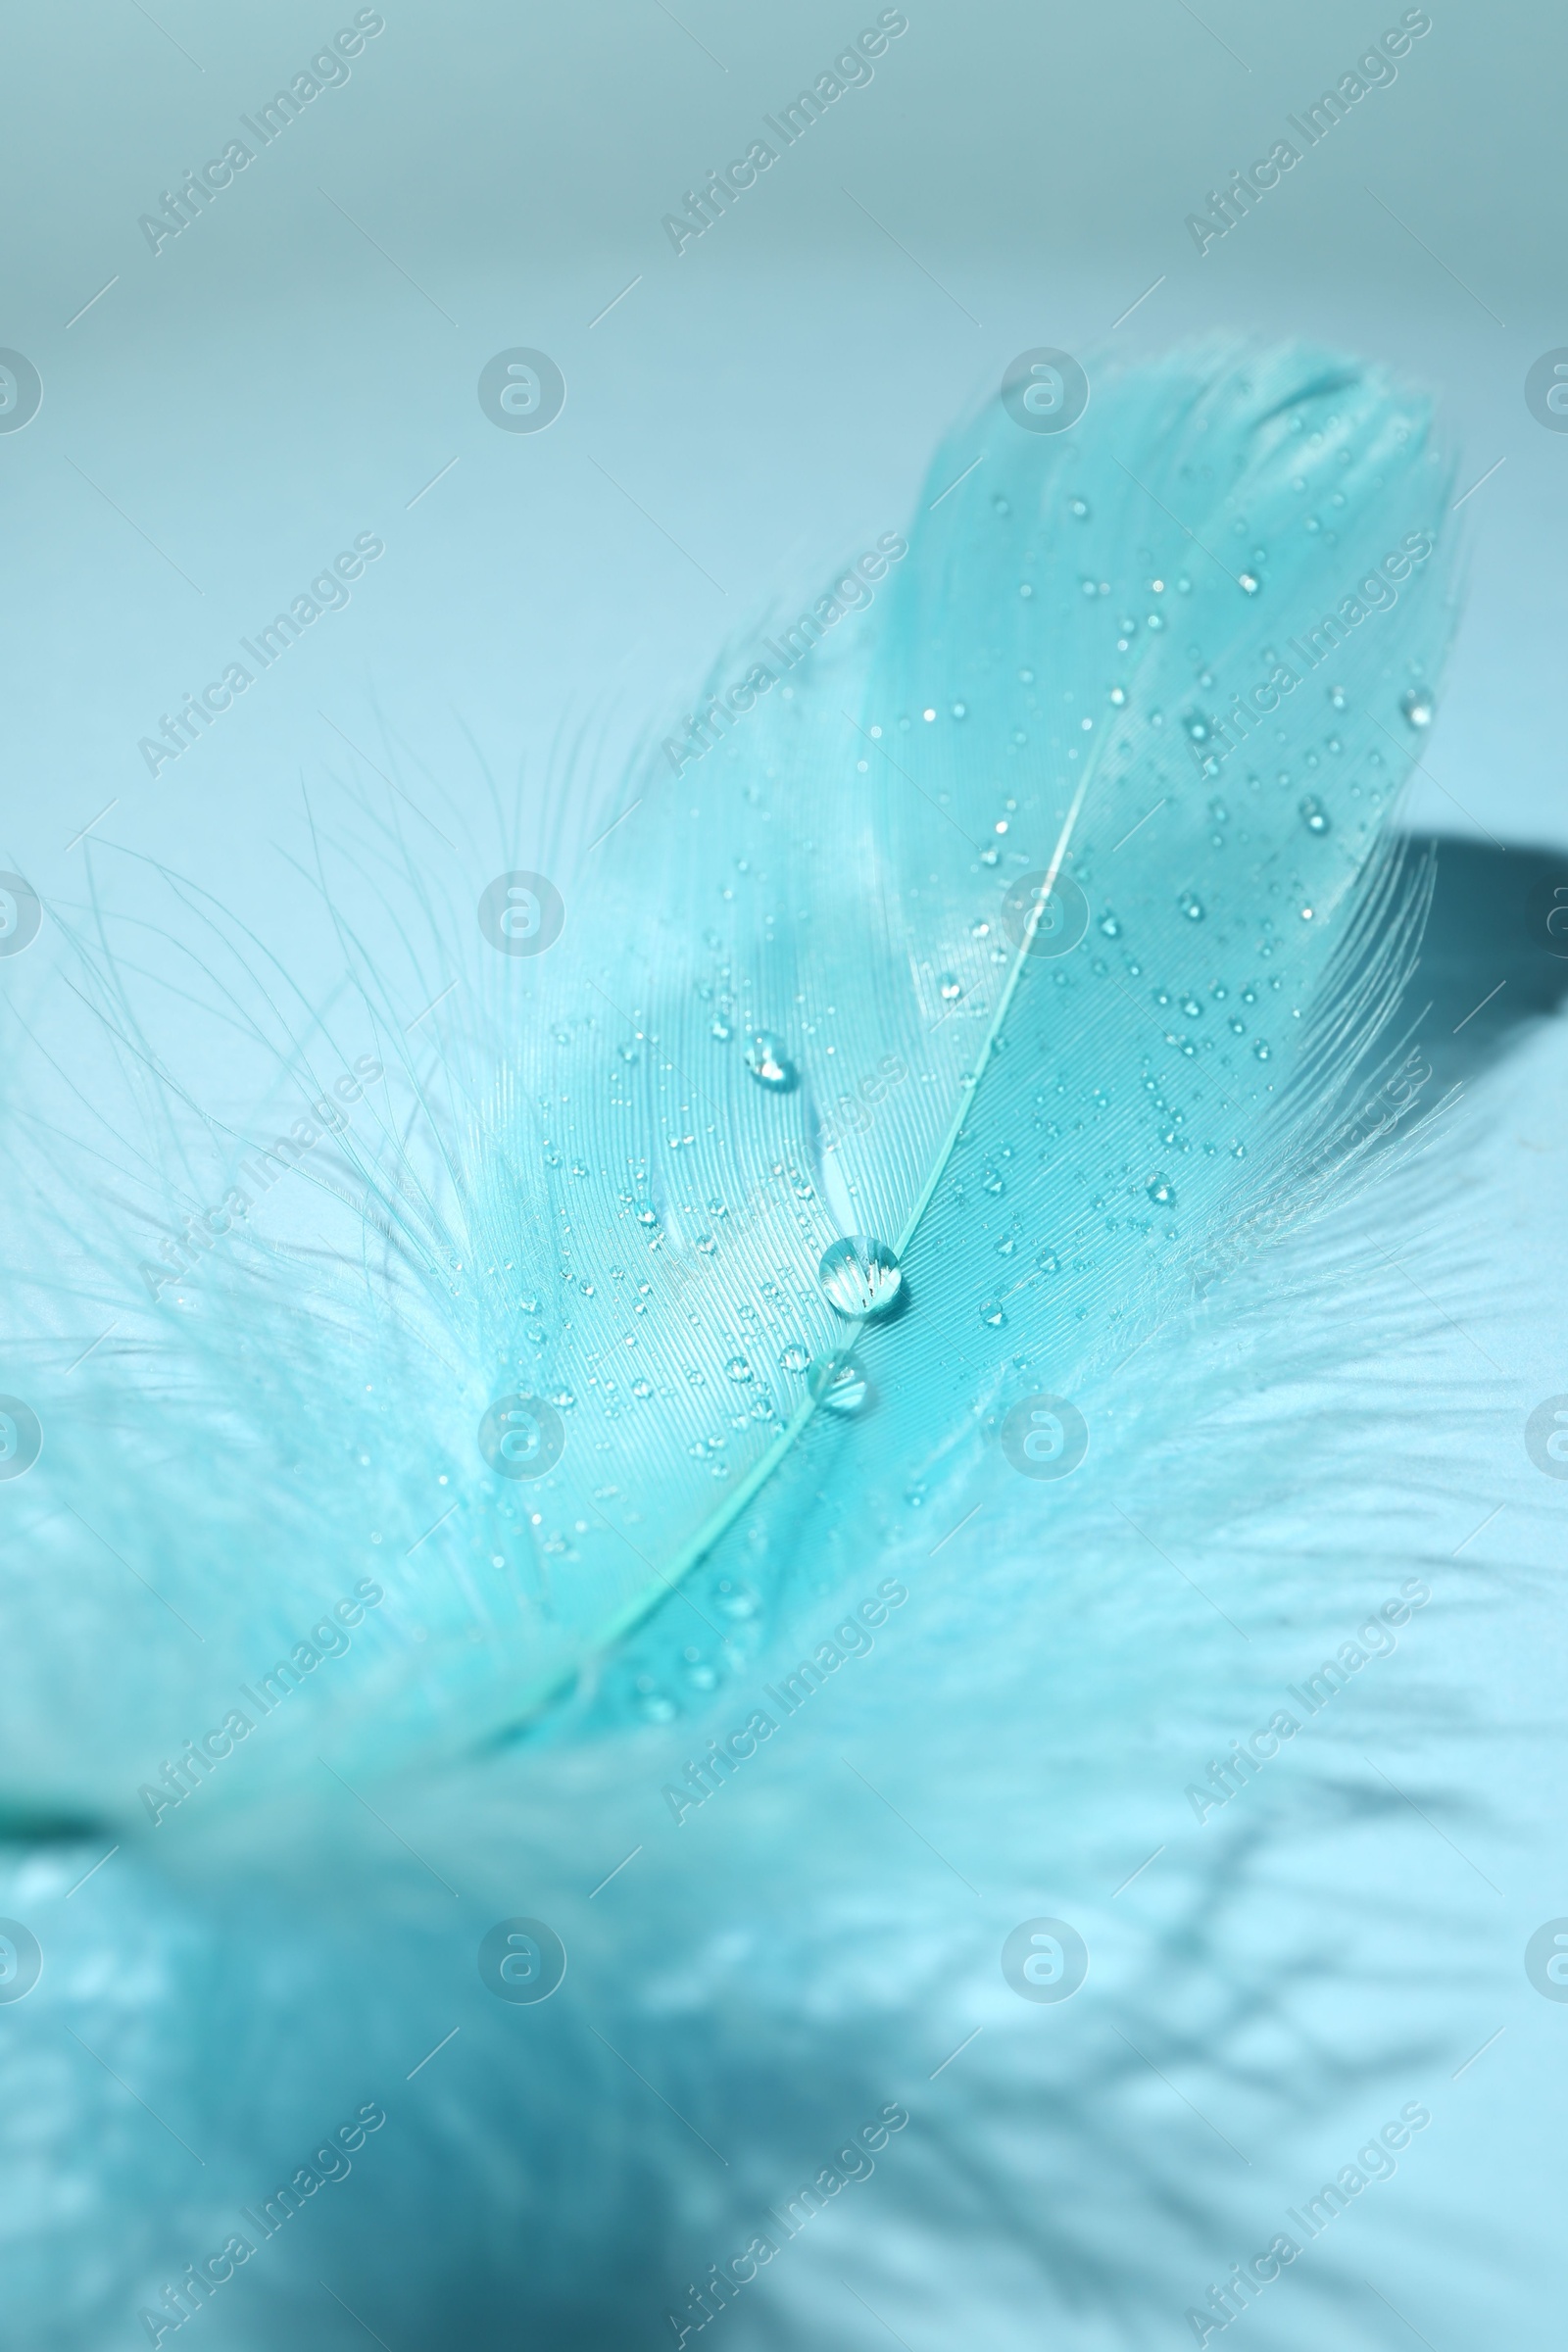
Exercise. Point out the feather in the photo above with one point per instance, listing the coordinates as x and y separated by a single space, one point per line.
1015 968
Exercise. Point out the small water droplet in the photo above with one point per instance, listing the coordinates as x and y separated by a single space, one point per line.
1315 816
1337 697
646 1214
641 1387
1261 1050
1078 507
738 1368
794 1359
564 1400
993 1313
1156 621
1109 926
1248 582
721 1030
843 1388
1162 1192
1118 695
950 987
860 1277
1418 706
768 1062
1191 905
1049 1262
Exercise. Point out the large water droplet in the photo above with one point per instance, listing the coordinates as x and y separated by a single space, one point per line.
860 1277
843 1388
768 1062
1418 706
738 1368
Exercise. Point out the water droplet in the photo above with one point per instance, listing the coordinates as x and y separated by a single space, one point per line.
843 1388
993 1313
1118 695
1109 926
1024 588
1197 726
564 1400
1191 906
1418 706
738 1368
1078 507
1248 582
1337 697
960 711
722 1031
794 1359
1049 1262
951 989
1261 1050
860 1277
1162 1192
1156 621
646 1214
641 1387
768 1062
1315 816
1000 506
